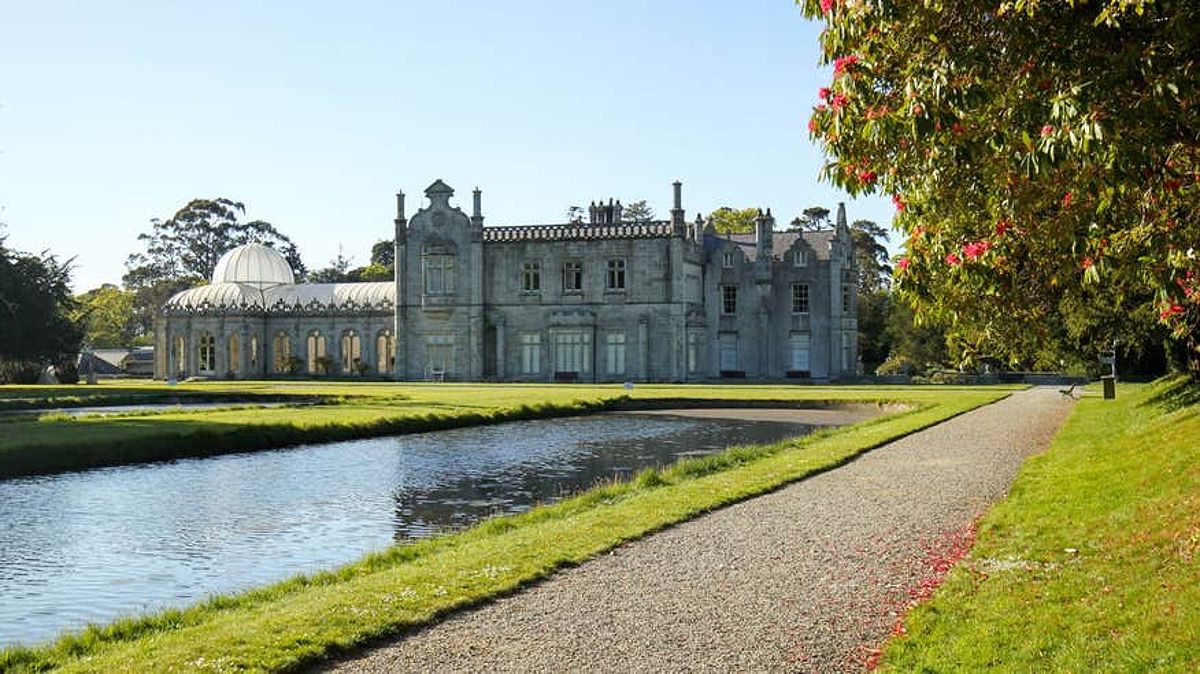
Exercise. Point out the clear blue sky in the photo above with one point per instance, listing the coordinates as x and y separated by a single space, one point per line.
314 114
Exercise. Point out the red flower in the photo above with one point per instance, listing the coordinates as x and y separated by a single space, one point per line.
812 125
842 62
958 128
867 177
1172 184
898 202
1002 227
1087 263
838 101
953 260
974 250
1047 130
1170 311
1066 200
902 264
823 93
826 6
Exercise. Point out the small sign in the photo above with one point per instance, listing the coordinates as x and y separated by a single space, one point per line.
1107 360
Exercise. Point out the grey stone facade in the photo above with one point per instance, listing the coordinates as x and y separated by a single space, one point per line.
603 300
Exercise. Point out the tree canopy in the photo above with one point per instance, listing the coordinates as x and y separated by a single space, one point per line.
37 327
728 220
638 212
1042 156
107 314
188 245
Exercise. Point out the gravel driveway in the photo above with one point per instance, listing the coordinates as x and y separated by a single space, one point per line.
807 578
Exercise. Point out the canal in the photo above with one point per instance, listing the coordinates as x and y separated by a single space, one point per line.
96 545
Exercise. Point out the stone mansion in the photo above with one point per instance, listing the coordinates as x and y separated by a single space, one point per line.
602 300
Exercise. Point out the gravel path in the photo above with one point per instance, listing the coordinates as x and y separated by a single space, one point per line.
808 578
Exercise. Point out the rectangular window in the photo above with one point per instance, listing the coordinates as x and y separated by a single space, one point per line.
800 344
729 299
693 351
800 258
531 353
847 299
572 277
729 351
439 350
616 274
727 259
847 361
799 298
572 351
439 274
531 276
614 353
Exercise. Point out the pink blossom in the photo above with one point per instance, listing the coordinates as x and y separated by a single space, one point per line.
823 93
838 101
867 177
898 202
902 264
842 62
953 259
826 6
1047 130
1170 311
974 250
812 125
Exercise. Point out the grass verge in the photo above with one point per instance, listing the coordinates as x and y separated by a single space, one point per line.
308 618
1093 561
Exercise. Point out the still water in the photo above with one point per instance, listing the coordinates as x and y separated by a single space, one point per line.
92 546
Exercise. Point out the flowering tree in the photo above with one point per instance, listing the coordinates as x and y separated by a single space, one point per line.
1043 157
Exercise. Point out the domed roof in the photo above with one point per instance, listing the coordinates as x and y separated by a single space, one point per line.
255 265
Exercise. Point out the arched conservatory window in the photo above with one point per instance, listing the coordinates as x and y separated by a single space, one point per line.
281 346
385 352
254 354
351 352
180 355
206 353
317 363
235 355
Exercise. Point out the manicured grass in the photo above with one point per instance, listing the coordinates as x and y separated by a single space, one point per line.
1093 561
350 410
306 619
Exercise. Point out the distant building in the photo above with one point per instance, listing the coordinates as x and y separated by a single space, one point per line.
601 300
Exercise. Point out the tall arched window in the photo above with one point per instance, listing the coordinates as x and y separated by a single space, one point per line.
235 355
254 355
206 353
180 354
281 347
317 363
385 352
351 352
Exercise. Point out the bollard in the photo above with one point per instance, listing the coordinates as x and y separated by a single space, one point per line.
1110 386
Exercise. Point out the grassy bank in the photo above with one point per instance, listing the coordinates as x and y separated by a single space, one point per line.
306 619
349 411
1092 563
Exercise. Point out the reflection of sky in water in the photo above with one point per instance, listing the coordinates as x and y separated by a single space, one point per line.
113 541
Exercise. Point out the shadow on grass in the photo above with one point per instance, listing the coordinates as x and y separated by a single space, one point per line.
1175 394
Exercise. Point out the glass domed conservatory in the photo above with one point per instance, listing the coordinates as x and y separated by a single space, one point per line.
253 320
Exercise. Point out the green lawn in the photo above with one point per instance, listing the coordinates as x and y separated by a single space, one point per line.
1092 563
306 619
351 410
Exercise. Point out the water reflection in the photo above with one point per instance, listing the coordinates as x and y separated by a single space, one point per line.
92 546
